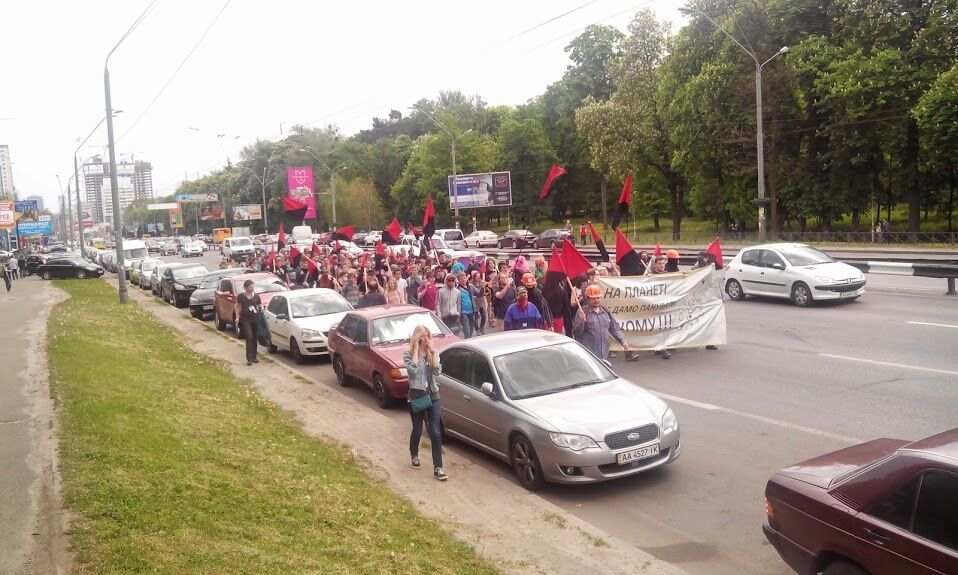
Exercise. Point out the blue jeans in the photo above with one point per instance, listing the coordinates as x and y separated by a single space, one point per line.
431 417
468 322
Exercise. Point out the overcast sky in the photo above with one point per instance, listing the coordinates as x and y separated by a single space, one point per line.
262 64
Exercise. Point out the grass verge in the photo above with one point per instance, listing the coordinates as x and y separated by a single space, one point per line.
171 465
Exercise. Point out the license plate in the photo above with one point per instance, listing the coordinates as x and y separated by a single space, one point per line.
207 307
636 454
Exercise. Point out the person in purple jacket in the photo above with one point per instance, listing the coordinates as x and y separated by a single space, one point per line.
523 314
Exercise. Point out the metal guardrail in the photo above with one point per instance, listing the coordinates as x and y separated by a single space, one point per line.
942 271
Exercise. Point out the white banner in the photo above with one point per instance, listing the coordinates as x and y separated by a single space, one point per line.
682 309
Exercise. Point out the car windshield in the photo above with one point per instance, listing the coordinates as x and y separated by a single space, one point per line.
549 369
148 266
187 273
806 256
135 253
318 304
241 242
267 285
399 327
210 283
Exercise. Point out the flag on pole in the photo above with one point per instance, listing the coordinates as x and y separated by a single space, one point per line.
392 233
657 251
555 273
629 262
716 251
344 233
599 243
281 237
294 210
294 256
554 173
573 263
625 200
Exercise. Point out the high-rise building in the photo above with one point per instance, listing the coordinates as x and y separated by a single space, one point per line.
38 199
6 172
134 180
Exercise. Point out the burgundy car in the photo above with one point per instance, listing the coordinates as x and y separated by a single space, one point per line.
887 506
368 345
224 298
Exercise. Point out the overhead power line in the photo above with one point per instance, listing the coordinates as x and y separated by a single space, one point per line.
553 19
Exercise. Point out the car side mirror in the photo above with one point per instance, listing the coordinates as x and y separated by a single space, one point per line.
778 266
486 389
282 316
362 345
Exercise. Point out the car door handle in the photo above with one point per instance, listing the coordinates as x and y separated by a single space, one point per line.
466 398
877 537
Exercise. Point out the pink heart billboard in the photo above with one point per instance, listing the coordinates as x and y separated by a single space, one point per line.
300 181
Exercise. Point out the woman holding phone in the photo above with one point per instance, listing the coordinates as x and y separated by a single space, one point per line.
422 365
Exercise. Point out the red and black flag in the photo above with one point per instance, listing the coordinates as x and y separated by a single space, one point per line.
380 258
416 232
344 233
599 243
428 223
294 256
555 274
554 172
625 200
281 237
715 250
657 251
294 210
629 262
573 263
392 233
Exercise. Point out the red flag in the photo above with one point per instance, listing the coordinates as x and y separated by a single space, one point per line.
294 255
416 232
315 249
599 243
716 250
362 262
625 257
482 267
657 251
554 173
344 233
625 200
392 233
573 262
268 262
555 272
380 249
311 265
281 238
428 222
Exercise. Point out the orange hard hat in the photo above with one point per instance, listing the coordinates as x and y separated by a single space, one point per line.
593 291
529 279
672 254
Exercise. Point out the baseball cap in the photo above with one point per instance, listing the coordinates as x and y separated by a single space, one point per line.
521 291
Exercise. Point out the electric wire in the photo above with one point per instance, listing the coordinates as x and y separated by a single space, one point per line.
553 19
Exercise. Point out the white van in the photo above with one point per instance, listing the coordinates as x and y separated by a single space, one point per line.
452 237
302 233
133 251
237 247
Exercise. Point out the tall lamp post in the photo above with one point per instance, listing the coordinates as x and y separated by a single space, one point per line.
759 127
68 236
76 177
262 182
332 179
455 188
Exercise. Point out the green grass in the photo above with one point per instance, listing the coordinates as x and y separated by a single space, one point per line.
171 465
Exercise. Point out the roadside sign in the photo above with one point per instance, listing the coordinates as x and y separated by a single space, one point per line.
488 190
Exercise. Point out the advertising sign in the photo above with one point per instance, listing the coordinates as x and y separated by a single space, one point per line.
212 212
26 210
248 212
481 190
166 206
176 217
35 228
300 182
207 197
7 219
87 209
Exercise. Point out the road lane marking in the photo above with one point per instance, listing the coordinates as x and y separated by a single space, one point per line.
761 418
890 364
932 324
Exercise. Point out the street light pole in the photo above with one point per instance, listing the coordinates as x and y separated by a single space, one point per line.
759 119
332 179
455 188
76 176
262 182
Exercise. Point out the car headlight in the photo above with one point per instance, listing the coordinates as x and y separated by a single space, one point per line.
312 334
398 373
177 285
573 441
669 422
824 280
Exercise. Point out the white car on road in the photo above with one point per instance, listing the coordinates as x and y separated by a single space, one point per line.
192 249
797 272
299 321
480 238
372 238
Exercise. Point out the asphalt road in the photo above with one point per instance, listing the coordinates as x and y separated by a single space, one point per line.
791 383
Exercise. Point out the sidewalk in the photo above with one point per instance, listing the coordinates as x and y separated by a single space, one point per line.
519 531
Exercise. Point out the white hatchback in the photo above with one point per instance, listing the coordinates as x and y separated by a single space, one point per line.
480 238
299 321
797 272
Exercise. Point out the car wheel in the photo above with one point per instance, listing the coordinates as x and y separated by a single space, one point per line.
295 353
525 464
81 274
382 394
46 275
220 324
499 244
843 568
734 290
801 295
341 378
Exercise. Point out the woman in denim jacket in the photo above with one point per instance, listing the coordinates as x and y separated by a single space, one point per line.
422 365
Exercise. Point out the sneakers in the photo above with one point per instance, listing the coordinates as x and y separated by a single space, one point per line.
248 363
255 361
415 463
711 347
632 357
666 354
439 474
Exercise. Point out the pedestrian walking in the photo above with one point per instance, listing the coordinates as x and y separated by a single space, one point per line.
593 326
448 303
248 308
423 368
13 266
6 276
523 314
582 235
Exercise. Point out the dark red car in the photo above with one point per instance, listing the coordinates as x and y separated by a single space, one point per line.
887 506
224 298
368 346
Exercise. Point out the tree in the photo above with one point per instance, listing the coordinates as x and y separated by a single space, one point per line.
937 117
524 150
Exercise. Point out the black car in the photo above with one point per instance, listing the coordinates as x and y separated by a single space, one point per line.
516 239
33 261
178 283
552 238
201 302
68 267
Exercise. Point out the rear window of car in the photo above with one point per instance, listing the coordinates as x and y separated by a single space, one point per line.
452 235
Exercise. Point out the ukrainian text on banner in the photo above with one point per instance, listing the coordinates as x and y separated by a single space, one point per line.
300 182
682 309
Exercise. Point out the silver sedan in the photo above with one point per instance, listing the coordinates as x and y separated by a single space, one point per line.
544 404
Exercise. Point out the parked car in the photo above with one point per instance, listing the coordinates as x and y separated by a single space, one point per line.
452 237
368 346
237 247
192 249
359 237
201 300
224 299
350 247
143 269
480 238
260 248
883 507
157 274
516 239
797 272
108 261
372 238
202 244
544 404
552 238
68 267
154 247
32 262
178 284
169 248
299 321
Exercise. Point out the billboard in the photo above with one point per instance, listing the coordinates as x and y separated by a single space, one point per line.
300 182
489 190
248 212
35 228
176 217
166 206
7 219
26 210
212 212
207 197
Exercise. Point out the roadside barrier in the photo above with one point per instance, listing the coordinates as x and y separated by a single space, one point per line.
943 271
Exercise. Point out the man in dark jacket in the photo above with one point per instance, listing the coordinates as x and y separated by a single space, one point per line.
373 295
536 298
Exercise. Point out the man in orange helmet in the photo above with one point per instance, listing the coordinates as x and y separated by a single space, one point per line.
593 326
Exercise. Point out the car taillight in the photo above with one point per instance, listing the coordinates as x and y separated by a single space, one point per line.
769 510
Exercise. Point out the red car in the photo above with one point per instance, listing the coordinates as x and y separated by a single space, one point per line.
884 507
368 345
224 298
